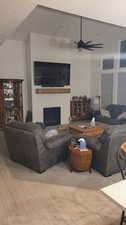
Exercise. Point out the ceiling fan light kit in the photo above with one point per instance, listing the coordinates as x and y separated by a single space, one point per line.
88 45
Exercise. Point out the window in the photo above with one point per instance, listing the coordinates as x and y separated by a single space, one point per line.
113 84
121 91
106 89
123 53
108 64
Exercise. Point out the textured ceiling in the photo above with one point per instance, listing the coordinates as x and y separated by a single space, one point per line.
54 23
14 12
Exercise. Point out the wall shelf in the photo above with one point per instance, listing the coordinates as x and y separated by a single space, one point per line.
52 90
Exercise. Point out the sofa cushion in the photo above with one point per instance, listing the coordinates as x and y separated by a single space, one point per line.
42 125
122 116
105 113
24 126
51 133
57 140
29 127
111 121
115 110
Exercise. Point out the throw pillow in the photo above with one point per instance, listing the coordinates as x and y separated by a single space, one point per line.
42 125
115 110
122 116
51 133
105 113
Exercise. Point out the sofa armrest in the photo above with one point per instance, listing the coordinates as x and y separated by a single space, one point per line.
57 140
93 142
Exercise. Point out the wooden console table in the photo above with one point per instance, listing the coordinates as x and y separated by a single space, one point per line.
87 130
93 131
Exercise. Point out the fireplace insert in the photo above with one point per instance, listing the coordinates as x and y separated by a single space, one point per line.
51 116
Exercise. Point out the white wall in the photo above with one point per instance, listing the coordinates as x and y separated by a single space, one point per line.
28 73
12 59
51 49
12 64
95 75
80 74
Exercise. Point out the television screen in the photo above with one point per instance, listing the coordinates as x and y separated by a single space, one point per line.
49 74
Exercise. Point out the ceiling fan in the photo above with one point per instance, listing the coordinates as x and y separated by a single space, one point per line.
88 45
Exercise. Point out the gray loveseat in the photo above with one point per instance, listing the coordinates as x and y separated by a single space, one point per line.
117 115
105 148
28 144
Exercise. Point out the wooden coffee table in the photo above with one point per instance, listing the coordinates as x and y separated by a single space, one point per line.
87 130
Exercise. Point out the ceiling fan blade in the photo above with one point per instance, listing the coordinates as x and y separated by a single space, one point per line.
87 45
88 42
93 45
89 49
98 46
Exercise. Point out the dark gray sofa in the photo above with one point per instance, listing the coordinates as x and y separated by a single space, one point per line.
115 111
105 147
27 144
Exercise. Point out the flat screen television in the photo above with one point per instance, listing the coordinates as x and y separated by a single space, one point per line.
48 74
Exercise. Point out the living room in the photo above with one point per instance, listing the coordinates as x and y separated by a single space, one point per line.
57 46
65 190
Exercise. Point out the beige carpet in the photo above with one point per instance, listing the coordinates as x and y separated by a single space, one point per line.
56 197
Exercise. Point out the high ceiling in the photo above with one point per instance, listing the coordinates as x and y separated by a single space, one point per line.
55 23
14 12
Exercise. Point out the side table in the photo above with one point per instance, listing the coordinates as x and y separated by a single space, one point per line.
79 160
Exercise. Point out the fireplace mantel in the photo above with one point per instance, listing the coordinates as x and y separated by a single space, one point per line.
52 90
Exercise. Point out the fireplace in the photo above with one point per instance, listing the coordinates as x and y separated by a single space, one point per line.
52 116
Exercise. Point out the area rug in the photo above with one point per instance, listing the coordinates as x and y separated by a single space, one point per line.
56 197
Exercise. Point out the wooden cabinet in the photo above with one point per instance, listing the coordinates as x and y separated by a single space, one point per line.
80 108
11 104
